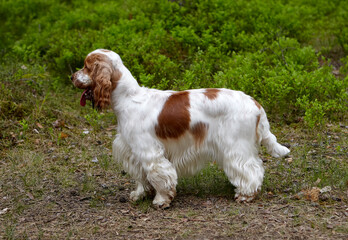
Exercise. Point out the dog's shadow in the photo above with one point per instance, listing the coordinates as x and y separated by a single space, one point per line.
211 181
209 184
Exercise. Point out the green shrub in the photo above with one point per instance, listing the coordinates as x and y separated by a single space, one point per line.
278 52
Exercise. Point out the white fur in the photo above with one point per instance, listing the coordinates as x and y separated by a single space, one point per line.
231 139
84 79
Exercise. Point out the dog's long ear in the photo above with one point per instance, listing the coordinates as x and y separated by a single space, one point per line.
102 74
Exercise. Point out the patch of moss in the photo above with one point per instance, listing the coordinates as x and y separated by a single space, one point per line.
9 109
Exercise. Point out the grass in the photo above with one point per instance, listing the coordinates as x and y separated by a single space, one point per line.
34 174
57 176
48 178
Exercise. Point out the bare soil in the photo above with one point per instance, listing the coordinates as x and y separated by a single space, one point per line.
91 200
107 214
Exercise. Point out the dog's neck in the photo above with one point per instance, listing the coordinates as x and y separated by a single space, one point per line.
126 88
127 84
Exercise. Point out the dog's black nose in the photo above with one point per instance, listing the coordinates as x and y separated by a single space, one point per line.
71 78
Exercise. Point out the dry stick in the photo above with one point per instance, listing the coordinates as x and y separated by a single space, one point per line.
196 220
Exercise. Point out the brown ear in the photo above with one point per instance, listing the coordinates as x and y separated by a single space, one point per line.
103 86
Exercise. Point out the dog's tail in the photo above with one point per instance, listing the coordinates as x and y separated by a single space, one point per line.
267 139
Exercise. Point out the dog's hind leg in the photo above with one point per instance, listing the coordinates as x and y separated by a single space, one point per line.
245 171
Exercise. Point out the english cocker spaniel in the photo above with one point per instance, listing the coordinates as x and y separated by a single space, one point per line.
163 135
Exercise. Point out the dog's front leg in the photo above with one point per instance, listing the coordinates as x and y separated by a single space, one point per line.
163 177
146 164
138 193
142 190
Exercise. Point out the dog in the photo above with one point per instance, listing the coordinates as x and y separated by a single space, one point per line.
163 135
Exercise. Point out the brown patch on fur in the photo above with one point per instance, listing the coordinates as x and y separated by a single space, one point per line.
174 118
104 76
257 125
172 193
199 130
211 93
258 105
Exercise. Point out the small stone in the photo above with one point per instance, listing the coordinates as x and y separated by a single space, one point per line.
74 193
3 211
337 199
324 197
287 190
287 145
329 226
325 189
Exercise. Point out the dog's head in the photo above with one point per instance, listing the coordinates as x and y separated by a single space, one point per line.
98 77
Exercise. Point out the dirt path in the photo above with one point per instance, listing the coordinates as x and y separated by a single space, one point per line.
70 215
59 191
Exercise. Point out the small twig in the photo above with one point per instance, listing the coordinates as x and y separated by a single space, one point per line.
282 51
71 71
195 220
50 220
281 207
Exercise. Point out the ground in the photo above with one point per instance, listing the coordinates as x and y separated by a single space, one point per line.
58 181
71 216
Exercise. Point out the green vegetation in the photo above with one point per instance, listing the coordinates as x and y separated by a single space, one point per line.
289 55
285 54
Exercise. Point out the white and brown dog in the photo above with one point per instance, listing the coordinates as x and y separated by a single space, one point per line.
166 134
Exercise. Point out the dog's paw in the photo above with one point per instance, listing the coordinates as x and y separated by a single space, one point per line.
161 202
163 206
135 196
242 198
